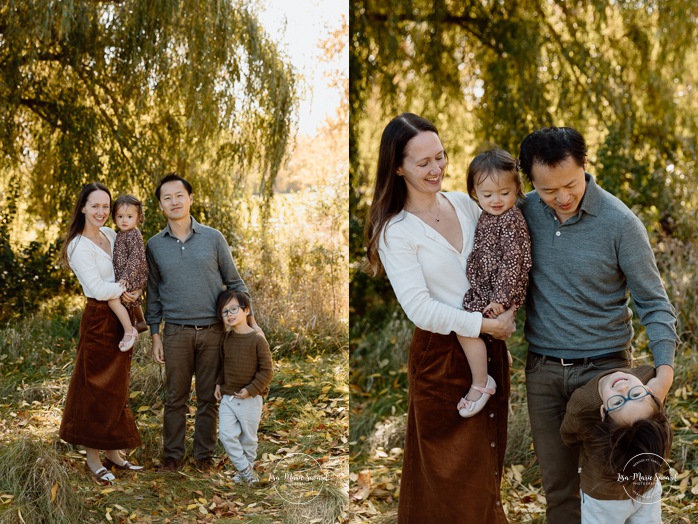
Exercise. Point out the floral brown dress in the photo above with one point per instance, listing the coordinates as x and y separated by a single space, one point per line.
130 263
499 262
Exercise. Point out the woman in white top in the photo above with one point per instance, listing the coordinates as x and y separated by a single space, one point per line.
96 413
422 237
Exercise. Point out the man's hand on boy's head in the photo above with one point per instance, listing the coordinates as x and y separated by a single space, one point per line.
661 384
253 324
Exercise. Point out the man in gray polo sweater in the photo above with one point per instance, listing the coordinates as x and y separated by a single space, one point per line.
190 264
589 253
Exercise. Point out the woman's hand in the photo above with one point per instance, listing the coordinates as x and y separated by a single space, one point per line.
217 393
130 296
501 327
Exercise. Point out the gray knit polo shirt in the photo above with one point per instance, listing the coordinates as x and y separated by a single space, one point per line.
186 277
583 273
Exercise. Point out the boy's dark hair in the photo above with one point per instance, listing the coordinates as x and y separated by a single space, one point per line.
226 296
615 446
550 146
172 177
490 163
128 200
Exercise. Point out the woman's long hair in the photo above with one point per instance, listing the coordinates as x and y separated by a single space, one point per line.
77 222
390 192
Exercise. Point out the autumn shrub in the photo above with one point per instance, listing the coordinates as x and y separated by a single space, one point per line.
295 265
36 476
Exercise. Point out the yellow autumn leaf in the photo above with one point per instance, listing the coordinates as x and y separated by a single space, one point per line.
143 408
134 394
54 491
326 389
192 506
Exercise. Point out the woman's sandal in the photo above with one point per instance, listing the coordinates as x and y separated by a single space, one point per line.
103 475
473 407
126 466
127 344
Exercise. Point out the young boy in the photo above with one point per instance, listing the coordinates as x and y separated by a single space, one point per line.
616 418
244 375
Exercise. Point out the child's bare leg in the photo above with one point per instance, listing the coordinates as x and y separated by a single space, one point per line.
476 354
122 314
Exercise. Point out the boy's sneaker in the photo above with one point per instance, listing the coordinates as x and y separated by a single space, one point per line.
246 476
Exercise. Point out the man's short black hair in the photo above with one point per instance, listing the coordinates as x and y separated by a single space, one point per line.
550 146
172 177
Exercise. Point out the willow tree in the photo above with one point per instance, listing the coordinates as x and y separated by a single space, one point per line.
623 73
123 91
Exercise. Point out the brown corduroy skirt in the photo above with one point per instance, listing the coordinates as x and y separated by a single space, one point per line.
96 412
452 466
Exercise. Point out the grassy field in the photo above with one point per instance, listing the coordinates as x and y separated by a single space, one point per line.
43 480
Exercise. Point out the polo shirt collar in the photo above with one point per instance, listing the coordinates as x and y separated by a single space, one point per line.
194 226
591 201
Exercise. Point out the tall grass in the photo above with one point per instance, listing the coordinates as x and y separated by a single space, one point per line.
36 476
296 268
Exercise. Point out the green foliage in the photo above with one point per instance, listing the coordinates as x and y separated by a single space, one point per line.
122 92
29 276
623 73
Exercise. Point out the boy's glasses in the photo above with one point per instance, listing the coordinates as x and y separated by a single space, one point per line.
634 393
230 311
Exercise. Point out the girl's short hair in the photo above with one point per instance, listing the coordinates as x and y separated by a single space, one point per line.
128 200
492 163
226 296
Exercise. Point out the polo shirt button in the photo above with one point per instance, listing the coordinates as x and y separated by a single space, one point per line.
498 503
492 444
491 415
557 233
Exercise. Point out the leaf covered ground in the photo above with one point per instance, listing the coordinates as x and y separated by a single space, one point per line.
302 456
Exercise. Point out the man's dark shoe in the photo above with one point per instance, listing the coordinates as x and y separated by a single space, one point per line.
204 464
170 464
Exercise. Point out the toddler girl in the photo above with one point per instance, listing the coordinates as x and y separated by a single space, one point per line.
498 265
625 438
244 375
130 265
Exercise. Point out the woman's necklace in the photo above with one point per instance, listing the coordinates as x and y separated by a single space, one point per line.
99 240
438 209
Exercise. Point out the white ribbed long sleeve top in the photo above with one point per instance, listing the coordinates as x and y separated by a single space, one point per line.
427 273
93 266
